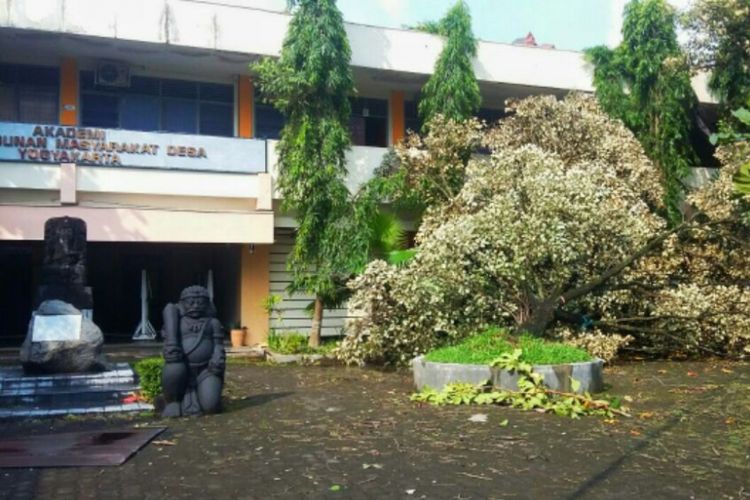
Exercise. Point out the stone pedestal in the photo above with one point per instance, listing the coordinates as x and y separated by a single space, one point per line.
61 340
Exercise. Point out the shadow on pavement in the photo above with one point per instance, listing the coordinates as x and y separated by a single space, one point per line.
603 475
256 400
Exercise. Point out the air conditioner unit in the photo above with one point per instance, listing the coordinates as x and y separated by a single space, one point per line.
113 74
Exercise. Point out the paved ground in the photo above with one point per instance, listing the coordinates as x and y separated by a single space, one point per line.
315 432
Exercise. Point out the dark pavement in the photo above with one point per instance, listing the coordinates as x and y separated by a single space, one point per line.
332 432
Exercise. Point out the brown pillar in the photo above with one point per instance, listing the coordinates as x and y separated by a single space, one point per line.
245 107
69 92
255 285
398 127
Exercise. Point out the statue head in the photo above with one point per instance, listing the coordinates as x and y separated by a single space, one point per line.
65 240
195 302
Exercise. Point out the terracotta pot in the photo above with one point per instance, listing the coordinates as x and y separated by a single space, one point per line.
237 336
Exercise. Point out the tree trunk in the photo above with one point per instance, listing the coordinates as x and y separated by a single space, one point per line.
317 321
542 315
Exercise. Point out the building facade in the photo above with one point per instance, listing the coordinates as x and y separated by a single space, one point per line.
141 117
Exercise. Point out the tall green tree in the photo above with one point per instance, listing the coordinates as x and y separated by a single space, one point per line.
720 43
645 82
310 84
452 90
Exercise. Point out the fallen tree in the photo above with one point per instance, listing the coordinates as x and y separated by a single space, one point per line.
560 231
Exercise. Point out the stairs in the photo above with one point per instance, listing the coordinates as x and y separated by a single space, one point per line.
34 396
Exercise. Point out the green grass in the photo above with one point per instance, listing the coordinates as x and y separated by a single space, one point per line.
484 347
296 343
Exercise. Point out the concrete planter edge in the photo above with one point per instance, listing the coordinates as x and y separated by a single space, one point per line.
556 377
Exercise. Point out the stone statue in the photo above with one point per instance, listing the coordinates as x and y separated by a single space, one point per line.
62 337
63 275
194 358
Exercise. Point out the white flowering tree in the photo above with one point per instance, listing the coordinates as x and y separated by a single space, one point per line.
555 230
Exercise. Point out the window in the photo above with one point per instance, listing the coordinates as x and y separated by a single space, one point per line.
159 104
29 94
369 122
268 120
491 116
411 116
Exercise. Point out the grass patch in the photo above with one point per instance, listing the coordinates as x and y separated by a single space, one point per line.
296 343
484 347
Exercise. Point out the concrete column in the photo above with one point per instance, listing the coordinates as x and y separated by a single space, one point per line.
245 107
69 92
398 127
255 285
68 183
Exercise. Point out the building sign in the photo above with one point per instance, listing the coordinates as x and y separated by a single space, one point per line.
128 148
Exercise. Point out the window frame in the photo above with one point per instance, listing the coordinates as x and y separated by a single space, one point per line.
161 99
17 86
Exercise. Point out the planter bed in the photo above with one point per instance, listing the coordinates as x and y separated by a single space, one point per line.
556 377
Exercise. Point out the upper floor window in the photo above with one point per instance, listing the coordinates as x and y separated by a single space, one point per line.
369 122
411 117
29 94
268 120
491 116
159 104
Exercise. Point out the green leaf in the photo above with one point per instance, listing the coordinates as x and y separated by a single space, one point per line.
743 115
504 423
575 385
401 257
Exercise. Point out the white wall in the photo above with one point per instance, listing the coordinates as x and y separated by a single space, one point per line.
132 180
231 28
361 161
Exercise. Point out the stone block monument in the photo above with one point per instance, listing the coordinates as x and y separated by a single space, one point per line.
62 337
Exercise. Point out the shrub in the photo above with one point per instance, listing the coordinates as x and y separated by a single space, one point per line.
296 343
289 343
149 372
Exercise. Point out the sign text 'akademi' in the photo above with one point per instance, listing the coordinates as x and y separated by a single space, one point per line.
85 145
129 148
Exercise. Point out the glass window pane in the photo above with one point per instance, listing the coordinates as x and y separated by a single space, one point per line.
376 131
357 130
179 115
8 103
411 116
377 107
38 76
37 105
216 92
86 80
142 85
179 88
99 110
139 112
490 115
216 119
357 105
268 122
8 74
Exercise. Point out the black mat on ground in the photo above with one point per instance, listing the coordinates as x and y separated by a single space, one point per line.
75 449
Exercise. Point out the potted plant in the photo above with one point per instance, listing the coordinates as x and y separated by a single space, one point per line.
237 335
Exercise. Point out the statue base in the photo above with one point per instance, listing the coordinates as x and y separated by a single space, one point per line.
60 339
